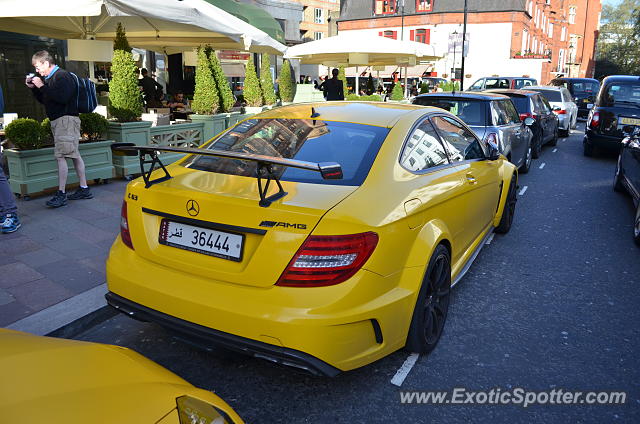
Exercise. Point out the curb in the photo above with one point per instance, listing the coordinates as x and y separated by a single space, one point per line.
80 325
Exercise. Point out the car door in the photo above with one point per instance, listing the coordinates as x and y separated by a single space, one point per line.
480 176
549 119
630 157
509 131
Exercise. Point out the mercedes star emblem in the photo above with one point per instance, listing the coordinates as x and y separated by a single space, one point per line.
193 208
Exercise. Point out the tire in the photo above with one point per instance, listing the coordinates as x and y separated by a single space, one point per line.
563 133
575 121
588 149
537 146
432 306
617 179
636 226
509 208
528 158
554 140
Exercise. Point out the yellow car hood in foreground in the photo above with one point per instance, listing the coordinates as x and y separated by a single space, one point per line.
53 380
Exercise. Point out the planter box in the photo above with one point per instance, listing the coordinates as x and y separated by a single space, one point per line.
129 132
252 110
178 135
212 124
32 171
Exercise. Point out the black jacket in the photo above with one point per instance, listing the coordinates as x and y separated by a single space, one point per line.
333 89
58 95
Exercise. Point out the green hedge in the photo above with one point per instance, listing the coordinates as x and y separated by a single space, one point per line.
371 98
25 133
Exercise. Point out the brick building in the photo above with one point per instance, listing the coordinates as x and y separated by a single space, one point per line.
505 37
583 19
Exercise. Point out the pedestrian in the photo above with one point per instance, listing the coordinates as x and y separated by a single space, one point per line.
56 89
151 90
333 87
8 208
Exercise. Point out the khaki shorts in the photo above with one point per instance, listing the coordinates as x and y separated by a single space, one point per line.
66 136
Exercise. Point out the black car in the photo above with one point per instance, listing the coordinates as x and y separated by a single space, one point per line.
617 105
493 118
533 104
583 90
627 176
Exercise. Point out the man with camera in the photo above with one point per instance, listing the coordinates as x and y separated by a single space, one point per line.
56 89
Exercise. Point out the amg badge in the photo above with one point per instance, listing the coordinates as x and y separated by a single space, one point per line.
283 224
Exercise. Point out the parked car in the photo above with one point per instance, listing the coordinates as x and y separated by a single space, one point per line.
375 211
531 104
627 176
51 380
562 104
489 83
583 90
617 105
493 117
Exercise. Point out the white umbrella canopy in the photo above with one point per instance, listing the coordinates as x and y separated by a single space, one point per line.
353 48
160 25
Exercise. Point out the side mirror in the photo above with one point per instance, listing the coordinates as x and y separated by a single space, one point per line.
494 153
528 121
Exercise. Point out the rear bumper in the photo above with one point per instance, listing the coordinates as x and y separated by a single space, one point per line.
323 330
205 337
600 140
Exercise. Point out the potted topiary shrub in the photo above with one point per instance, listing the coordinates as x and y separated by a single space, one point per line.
286 84
397 94
266 81
125 104
226 99
206 98
32 167
252 91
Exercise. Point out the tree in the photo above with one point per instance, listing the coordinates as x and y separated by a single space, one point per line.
125 100
396 93
266 82
286 83
121 42
225 96
205 97
252 92
343 77
618 39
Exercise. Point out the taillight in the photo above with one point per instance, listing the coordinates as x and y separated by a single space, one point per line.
560 112
124 226
594 120
328 260
524 116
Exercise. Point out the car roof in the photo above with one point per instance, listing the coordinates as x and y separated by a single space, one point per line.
577 79
517 92
466 95
513 78
546 87
621 78
379 114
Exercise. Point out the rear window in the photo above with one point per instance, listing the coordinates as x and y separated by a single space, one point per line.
621 94
585 88
551 95
521 103
472 112
523 83
354 146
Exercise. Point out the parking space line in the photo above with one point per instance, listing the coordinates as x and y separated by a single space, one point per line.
523 191
555 150
404 370
542 165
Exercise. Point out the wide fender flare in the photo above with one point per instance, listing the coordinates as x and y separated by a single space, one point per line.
508 170
431 234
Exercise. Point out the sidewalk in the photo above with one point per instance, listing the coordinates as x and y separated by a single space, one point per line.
52 270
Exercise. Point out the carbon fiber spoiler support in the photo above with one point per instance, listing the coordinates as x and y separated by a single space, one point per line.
264 171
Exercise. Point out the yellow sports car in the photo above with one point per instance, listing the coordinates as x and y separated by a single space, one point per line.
50 380
322 236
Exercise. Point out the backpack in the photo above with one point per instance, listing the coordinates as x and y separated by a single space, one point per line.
86 98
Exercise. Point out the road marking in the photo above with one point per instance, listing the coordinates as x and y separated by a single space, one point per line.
542 165
555 150
489 239
523 191
404 370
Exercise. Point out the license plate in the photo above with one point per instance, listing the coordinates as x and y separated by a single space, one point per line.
220 244
629 121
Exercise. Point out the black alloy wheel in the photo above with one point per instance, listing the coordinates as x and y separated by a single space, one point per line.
554 140
509 208
432 306
537 144
526 163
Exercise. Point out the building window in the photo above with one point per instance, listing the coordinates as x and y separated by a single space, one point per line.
525 40
572 15
550 30
563 34
385 7
421 35
389 34
424 5
530 8
317 36
319 19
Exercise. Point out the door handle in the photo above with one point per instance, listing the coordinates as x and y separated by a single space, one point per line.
471 179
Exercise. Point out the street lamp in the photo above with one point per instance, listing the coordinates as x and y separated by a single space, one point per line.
464 39
455 46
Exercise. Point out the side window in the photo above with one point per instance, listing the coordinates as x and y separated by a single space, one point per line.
567 95
461 143
504 83
498 113
546 106
477 85
512 113
527 83
423 149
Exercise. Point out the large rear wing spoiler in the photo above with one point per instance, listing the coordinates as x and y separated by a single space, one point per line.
328 170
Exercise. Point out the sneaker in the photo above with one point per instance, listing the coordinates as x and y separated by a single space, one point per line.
11 223
59 199
81 193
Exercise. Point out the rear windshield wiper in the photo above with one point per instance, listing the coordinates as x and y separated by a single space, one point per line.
148 155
